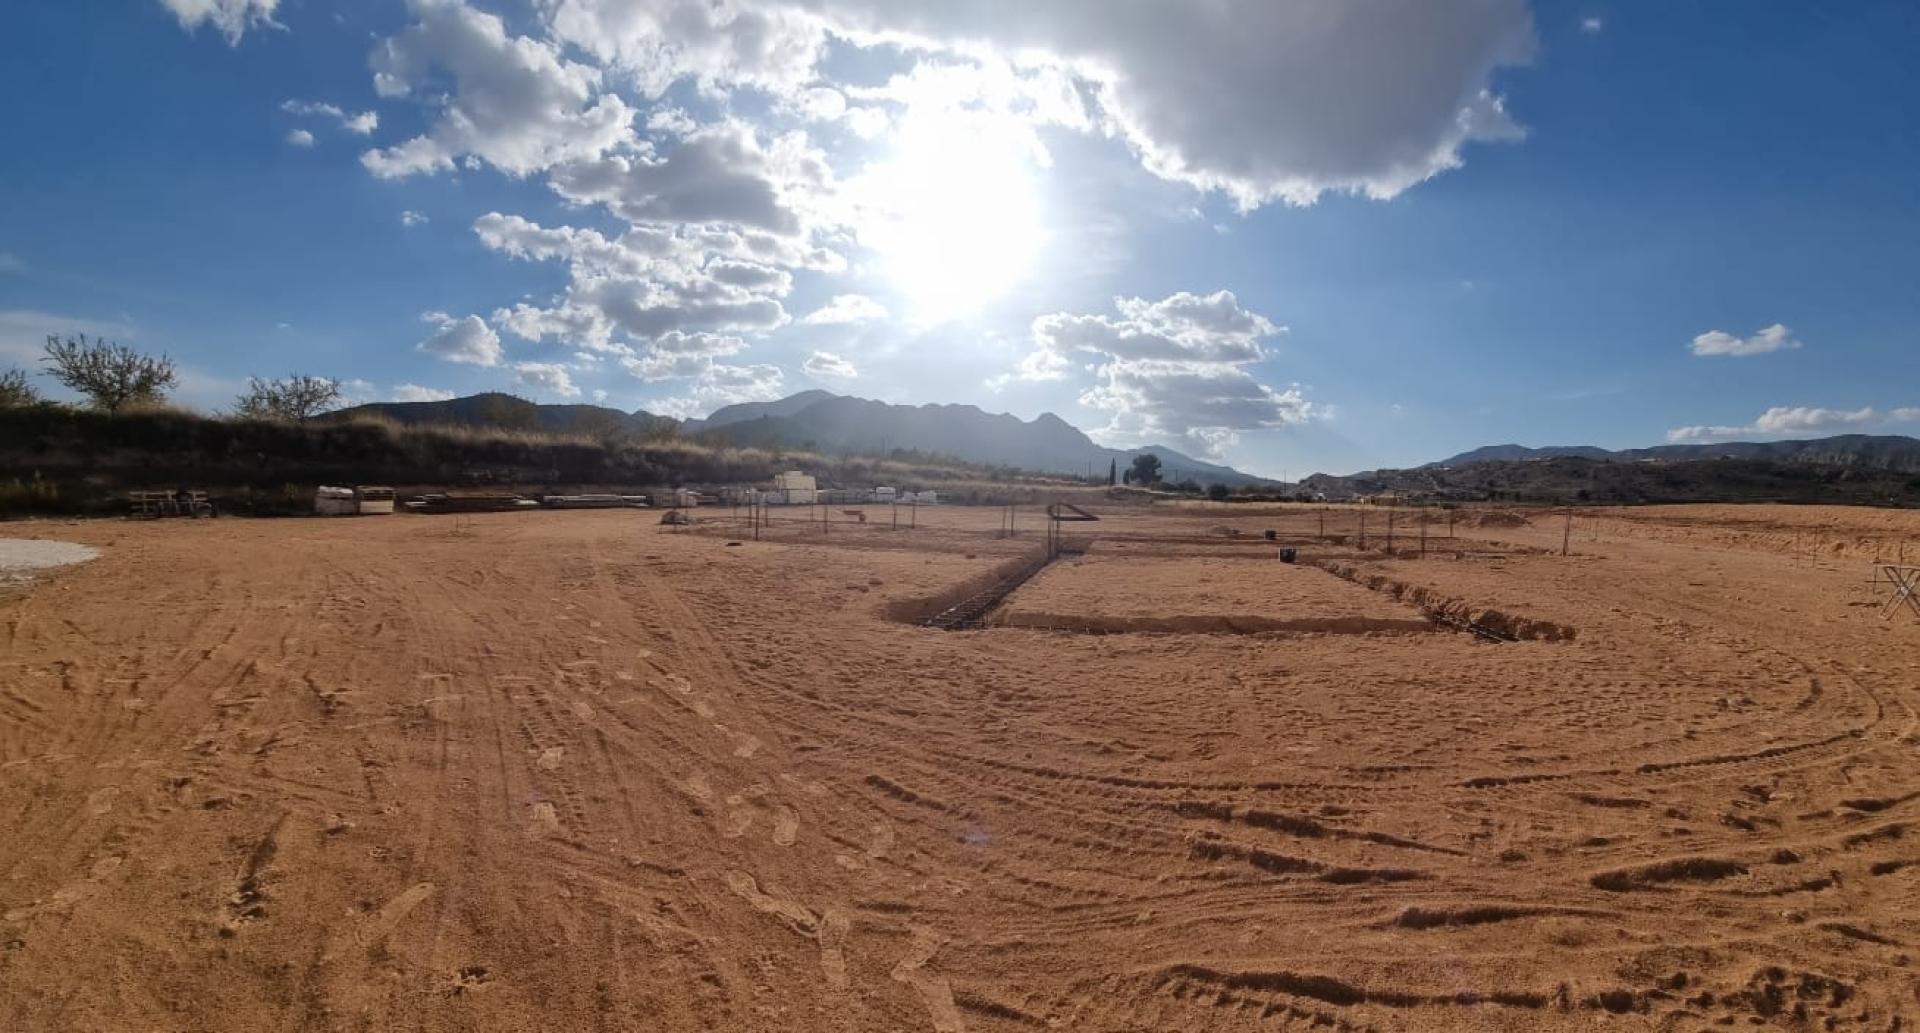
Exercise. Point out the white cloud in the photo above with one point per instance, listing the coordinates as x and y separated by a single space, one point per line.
1592 24
646 284
231 18
412 218
718 385
353 391
467 339
550 377
719 173
1786 420
361 124
828 366
847 308
679 354
24 332
416 393
1718 342
1170 369
716 44
516 104
599 396
300 138
1261 100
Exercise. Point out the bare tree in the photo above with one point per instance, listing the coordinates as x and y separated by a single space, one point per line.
15 392
110 375
294 399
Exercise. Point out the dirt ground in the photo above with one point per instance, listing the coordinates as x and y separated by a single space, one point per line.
577 771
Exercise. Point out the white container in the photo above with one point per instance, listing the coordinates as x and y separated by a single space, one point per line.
332 501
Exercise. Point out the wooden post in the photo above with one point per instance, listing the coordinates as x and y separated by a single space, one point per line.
1363 530
1566 536
1323 521
1390 512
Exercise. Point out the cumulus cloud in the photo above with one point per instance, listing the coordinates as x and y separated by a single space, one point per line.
679 354
230 18
550 377
717 385
1718 342
361 124
467 339
648 283
828 366
1170 369
300 138
1261 100
773 47
847 308
719 173
412 218
1785 420
417 393
1592 24
516 103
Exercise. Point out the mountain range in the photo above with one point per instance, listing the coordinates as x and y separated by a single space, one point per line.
822 421
1876 451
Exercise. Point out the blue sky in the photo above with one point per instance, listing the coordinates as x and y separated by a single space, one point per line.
1436 226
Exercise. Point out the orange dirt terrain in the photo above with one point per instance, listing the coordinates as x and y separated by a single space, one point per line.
579 771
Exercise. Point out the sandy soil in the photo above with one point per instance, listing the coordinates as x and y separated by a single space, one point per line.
576 771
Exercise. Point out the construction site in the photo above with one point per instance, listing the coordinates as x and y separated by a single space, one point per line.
1078 765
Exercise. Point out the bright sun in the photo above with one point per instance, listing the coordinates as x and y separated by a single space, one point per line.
956 218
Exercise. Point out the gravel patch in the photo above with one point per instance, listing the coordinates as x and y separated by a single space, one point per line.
20 557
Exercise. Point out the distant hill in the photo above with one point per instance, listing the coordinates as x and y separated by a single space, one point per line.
838 424
493 409
1848 468
1881 452
1514 453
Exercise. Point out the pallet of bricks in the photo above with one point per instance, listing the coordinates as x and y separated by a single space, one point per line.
152 505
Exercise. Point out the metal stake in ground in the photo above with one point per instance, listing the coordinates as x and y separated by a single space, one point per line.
1390 512
1566 536
1363 529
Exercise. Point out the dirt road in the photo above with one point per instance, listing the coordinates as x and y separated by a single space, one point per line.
576 771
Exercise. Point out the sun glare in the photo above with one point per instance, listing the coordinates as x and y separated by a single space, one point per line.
955 215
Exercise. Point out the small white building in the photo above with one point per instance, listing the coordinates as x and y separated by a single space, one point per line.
793 488
884 495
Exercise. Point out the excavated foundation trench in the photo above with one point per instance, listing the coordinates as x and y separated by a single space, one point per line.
972 605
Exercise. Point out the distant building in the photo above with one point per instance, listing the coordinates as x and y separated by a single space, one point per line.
793 488
884 495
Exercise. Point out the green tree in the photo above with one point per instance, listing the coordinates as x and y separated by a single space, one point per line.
1145 470
111 376
293 399
15 391
1217 492
1113 471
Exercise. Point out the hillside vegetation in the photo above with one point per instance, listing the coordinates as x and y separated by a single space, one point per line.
59 459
